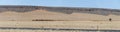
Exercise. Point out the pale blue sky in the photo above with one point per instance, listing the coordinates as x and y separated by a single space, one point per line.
114 4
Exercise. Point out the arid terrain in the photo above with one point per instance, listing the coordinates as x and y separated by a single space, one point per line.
16 25
11 21
41 15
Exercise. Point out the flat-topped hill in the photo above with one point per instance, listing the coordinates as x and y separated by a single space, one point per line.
67 10
41 13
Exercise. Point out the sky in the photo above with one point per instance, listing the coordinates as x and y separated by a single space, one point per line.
113 4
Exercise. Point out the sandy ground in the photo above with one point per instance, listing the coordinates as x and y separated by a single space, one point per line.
62 24
114 25
75 20
40 14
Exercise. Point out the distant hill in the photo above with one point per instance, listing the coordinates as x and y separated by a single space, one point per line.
66 10
43 13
